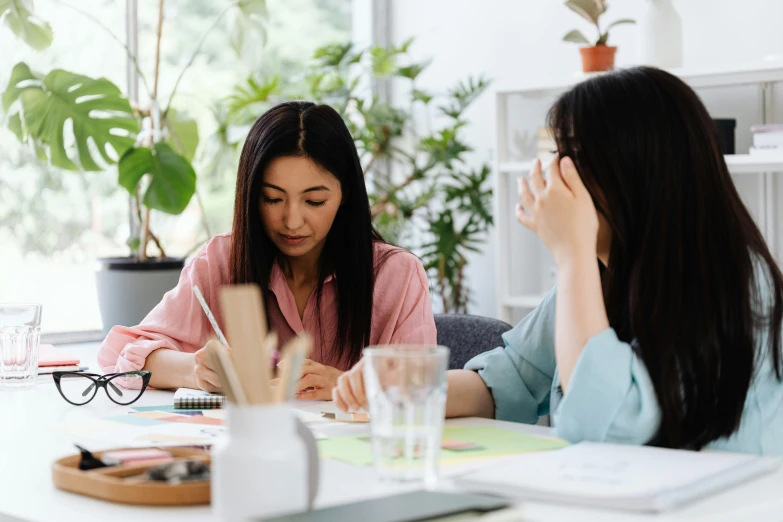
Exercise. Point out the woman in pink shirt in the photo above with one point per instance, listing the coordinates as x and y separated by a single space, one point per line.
302 231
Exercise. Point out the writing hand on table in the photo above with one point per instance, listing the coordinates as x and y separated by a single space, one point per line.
206 378
348 395
315 382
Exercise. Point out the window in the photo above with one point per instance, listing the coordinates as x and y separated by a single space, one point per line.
53 223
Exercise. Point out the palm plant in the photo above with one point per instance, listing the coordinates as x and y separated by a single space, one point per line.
423 194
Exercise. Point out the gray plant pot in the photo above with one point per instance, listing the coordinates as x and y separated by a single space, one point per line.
129 289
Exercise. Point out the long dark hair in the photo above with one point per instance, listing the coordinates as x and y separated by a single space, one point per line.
682 281
318 133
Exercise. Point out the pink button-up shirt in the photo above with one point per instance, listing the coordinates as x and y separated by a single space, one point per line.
402 312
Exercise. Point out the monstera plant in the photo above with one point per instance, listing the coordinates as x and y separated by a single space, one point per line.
76 122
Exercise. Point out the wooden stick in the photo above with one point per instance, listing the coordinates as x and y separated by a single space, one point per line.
225 369
285 376
294 354
268 348
243 313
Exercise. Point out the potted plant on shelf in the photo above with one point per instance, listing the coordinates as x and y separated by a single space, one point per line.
599 56
79 123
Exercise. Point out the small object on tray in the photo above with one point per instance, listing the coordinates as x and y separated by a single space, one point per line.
89 461
178 471
128 483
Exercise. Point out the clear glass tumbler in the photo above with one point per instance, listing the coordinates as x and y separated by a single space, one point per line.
20 332
406 394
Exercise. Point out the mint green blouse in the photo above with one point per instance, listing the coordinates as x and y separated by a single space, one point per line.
610 396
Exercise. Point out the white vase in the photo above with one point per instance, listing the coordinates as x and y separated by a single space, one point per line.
660 35
260 468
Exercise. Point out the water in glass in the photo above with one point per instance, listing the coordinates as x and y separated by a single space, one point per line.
20 331
406 394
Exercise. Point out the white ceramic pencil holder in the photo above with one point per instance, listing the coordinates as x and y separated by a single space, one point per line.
266 465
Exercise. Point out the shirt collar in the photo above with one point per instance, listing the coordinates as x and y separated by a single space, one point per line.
277 277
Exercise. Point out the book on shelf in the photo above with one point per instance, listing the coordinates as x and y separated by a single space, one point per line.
768 140
766 127
772 153
767 136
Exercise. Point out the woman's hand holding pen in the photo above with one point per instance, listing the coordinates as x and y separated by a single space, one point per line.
206 378
316 381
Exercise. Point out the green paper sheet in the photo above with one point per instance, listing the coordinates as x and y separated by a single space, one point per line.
494 442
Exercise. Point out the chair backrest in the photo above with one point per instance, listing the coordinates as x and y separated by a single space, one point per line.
468 336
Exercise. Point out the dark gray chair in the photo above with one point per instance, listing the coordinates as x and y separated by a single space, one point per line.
468 336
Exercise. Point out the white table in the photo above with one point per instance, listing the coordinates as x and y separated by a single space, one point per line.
29 445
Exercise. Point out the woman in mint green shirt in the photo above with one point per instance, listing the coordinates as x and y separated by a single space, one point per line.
665 325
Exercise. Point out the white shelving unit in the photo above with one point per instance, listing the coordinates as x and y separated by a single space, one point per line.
524 269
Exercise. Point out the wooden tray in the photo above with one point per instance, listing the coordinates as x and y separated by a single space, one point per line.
125 485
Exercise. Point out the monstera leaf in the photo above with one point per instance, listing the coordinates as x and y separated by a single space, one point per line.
173 180
183 133
96 111
18 16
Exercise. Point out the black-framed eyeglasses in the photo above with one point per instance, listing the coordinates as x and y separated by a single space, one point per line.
79 388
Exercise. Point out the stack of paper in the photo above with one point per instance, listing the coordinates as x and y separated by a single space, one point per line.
618 476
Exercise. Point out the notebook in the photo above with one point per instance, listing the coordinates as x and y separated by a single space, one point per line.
186 398
48 355
47 370
613 476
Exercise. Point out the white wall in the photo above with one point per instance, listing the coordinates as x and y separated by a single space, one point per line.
518 43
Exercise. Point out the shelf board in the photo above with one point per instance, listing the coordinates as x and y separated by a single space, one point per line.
758 72
752 164
523 301
737 163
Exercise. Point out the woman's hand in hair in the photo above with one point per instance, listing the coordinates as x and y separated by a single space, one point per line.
349 395
559 210
316 382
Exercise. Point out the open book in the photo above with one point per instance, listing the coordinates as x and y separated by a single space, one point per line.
613 476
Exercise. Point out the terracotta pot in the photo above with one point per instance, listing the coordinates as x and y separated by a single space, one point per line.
597 58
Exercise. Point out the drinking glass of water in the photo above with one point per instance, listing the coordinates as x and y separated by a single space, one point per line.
406 394
20 331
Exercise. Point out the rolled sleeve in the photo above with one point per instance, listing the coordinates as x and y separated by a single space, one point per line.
519 389
610 397
177 322
520 375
